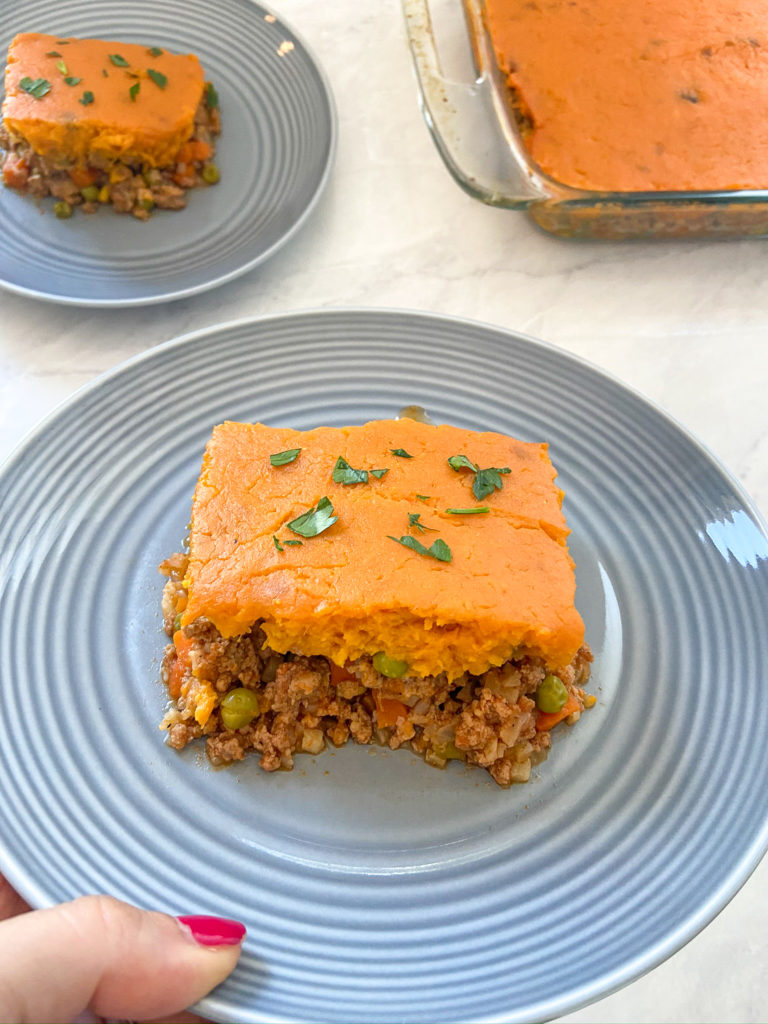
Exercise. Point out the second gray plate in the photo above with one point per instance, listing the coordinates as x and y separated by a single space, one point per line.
275 154
374 887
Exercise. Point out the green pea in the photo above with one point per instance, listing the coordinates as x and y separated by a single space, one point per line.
390 667
62 209
211 174
239 708
90 193
551 694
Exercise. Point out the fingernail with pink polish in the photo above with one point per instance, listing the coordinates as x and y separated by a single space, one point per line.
213 931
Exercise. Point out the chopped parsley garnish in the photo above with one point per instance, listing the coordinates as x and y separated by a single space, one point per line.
413 521
314 520
157 77
105 72
155 51
379 473
72 81
283 458
439 549
458 462
401 453
53 53
134 90
476 511
62 67
62 42
211 96
286 544
343 473
86 98
486 480
118 61
37 87
423 497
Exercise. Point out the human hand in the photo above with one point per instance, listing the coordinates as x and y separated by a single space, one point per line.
100 955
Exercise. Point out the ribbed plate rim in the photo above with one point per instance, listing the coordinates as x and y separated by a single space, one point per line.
749 858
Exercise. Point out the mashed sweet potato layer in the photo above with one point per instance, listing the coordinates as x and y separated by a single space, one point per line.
642 96
352 591
104 100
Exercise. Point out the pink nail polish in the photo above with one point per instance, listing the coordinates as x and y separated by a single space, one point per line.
213 931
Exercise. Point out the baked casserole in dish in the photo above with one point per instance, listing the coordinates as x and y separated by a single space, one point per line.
607 120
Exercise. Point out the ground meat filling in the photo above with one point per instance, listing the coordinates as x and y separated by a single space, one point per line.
304 702
129 187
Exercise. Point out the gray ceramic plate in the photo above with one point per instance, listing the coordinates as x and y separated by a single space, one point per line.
275 154
376 888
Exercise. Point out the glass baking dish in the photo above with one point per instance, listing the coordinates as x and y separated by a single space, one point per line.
473 126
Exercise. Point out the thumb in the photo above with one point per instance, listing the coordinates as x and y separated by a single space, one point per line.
100 954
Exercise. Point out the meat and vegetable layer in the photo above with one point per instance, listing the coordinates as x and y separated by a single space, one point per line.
396 582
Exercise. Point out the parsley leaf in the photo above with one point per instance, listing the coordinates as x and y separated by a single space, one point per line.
379 473
86 98
62 67
157 77
344 474
459 462
315 520
423 497
105 72
486 480
475 511
211 96
438 550
401 453
53 53
118 61
72 81
413 520
37 88
278 545
155 51
293 543
283 458
134 90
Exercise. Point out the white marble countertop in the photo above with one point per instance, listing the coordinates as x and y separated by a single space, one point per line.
686 323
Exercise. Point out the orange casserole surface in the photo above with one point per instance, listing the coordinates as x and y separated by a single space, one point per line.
353 591
648 95
97 117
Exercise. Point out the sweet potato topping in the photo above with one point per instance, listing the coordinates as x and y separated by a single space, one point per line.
354 588
104 101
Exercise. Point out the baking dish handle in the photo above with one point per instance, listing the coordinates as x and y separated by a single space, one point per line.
466 124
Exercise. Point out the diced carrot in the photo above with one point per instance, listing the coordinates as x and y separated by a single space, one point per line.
184 175
175 678
389 711
15 171
193 152
547 720
339 674
84 176
182 643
